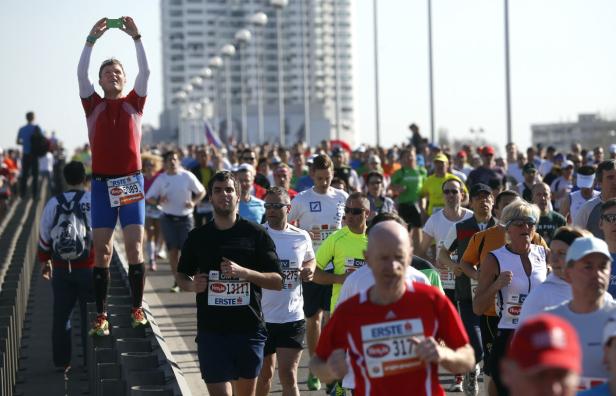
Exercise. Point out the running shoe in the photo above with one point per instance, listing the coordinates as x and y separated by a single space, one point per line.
153 266
314 384
175 288
138 317
471 387
457 385
337 390
100 327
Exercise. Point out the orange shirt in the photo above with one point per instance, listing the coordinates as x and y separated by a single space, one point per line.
486 241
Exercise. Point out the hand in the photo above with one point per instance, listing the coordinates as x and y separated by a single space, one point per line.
336 363
428 350
504 279
315 235
129 26
306 274
99 28
190 204
46 270
200 282
231 270
457 270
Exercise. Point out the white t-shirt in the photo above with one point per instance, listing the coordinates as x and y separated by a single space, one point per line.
323 212
177 189
438 226
363 279
514 170
46 163
294 248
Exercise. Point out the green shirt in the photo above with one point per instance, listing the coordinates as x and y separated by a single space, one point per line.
346 250
434 277
412 179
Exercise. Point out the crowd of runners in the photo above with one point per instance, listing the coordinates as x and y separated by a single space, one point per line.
388 264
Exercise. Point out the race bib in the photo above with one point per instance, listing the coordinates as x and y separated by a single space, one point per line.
589 382
388 348
352 264
124 190
512 309
227 292
290 274
448 279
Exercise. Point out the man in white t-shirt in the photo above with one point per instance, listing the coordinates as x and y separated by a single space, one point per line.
177 191
318 210
438 226
283 310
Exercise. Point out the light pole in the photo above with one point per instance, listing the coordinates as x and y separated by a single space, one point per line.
216 63
279 5
305 79
377 109
242 37
196 82
430 79
228 51
259 20
507 76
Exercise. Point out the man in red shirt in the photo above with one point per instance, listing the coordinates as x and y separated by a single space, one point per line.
114 130
390 330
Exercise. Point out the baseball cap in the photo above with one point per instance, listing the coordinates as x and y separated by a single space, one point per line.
336 151
567 163
546 341
529 167
585 181
559 157
461 154
487 150
582 247
479 188
245 167
612 149
440 157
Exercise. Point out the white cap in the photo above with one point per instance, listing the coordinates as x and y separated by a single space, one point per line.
245 167
582 247
585 181
567 163
612 148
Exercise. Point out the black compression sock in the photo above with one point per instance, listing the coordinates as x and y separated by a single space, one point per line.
101 284
136 278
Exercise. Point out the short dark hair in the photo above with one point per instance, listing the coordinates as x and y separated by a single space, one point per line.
503 194
456 180
610 203
30 116
280 192
586 170
223 176
74 173
360 196
606 165
168 154
110 61
321 162
374 174
386 216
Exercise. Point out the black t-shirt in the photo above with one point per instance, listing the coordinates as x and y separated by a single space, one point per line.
549 223
246 244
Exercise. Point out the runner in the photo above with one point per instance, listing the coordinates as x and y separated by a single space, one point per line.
151 170
251 208
585 182
550 220
588 215
231 260
114 126
318 210
283 310
391 329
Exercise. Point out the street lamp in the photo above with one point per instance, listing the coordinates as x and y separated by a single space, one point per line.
507 75
228 51
259 20
377 109
279 5
430 70
242 37
215 63
305 80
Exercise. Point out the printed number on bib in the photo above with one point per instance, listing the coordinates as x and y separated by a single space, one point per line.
290 274
388 348
448 279
352 264
227 292
124 190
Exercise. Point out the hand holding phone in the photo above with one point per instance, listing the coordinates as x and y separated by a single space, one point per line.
115 23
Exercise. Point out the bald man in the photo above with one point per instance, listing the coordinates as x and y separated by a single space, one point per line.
390 329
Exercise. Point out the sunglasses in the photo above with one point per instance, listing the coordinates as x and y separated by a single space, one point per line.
353 211
276 206
248 159
520 223
610 218
447 191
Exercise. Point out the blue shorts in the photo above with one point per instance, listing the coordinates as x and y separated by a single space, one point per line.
228 357
104 216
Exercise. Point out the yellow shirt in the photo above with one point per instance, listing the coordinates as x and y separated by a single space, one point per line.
432 188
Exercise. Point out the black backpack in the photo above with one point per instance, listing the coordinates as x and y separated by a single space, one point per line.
71 235
39 145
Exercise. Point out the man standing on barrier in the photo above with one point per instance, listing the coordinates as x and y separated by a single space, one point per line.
114 130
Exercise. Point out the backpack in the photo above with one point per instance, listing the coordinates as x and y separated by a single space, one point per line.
39 145
71 235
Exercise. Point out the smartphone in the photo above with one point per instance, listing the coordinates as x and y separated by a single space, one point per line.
114 23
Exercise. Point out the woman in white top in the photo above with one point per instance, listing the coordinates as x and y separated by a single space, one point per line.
509 274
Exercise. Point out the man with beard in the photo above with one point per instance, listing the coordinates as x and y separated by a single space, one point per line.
231 259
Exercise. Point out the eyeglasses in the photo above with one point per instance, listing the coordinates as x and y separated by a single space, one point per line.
276 206
610 218
248 159
353 211
447 191
520 223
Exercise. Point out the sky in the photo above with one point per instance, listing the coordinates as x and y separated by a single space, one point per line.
562 63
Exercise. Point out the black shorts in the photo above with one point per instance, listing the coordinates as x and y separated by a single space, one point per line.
499 349
316 298
410 213
489 327
284 335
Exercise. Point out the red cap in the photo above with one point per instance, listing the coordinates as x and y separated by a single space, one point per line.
487 150
546 341
461 154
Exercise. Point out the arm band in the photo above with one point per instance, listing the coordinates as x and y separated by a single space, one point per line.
137 37
91 39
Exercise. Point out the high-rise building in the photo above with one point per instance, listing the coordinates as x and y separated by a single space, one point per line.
316 47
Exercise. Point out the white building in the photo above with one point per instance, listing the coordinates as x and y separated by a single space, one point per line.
194 31
590 130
